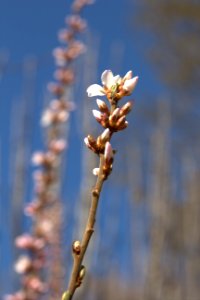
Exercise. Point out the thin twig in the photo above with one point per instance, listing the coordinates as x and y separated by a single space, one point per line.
78 258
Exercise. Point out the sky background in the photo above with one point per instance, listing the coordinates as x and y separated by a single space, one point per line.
28 33
28 29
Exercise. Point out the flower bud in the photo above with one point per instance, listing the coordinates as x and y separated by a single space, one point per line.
65 35
105 135
82 272
130 84
47 118
108 153
76 247
62 116
102 106
123 126
66 295
23 264
95 171
37 285
57 146
56 89
38 158
90 143
114 116
97 115
120 122
128 75
126 108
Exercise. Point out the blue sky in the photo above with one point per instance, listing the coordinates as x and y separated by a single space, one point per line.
29 28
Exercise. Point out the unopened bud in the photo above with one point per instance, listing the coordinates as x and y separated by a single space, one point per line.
126 108
62 116
47 118
128 75
95 171
97 115
23 264
108 152
113 117
123 126
102 106
38 158
56 89
115 113
76 247
82 272
130 84
57 145
121 122
105 135
66 295
90 143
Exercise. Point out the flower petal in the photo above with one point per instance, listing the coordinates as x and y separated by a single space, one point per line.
107 78
130 84
95 90
128 75
116 79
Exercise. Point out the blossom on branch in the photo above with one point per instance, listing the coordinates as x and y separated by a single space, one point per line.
113 85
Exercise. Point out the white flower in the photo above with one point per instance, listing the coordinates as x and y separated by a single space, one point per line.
95 90
110 82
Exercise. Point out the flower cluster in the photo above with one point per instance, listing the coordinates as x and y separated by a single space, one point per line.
114 87
112 118
45 209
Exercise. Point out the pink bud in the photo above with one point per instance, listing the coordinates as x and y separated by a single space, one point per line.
23 264
65 35
24 241
37 285
58 145
115 113
97 115
47 118
108 152
31 208
105 135
102 106
63 116
38 158
46 228
38 243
